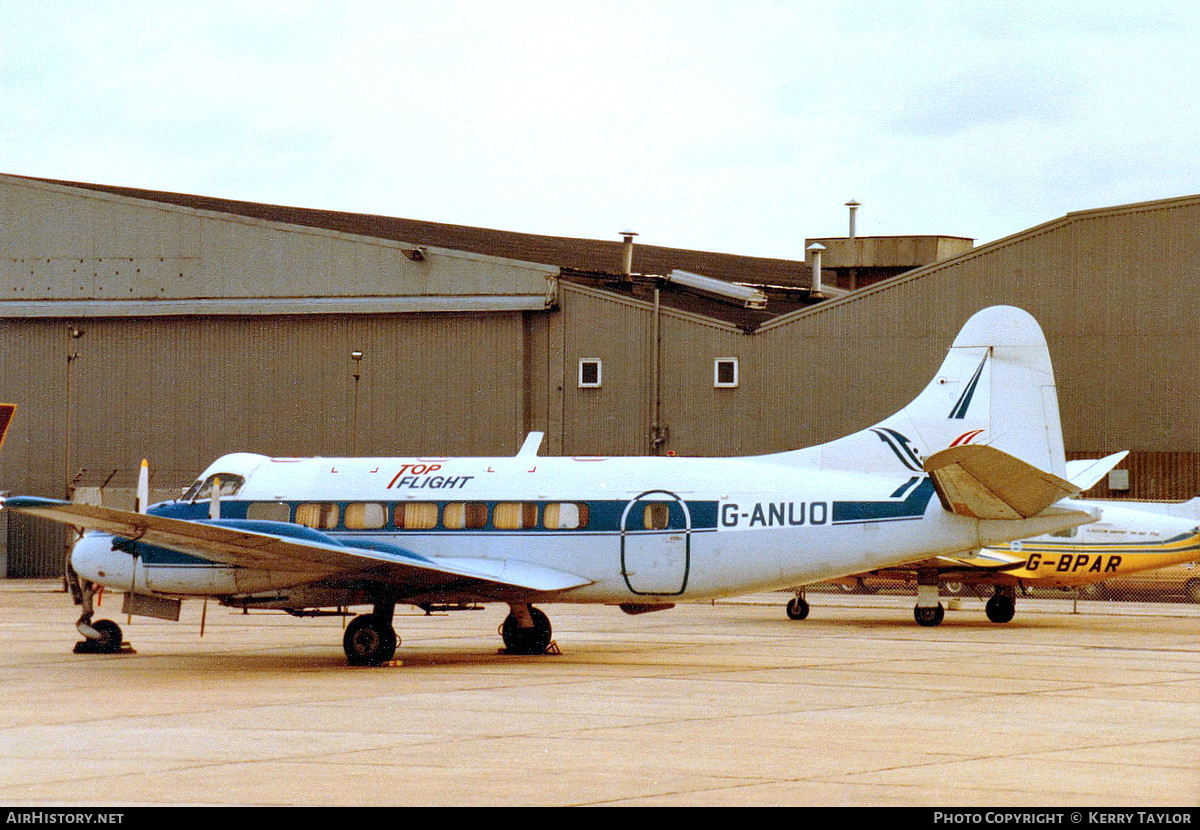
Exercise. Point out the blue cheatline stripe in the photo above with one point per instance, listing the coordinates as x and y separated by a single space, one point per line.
603 516
912 507
964 401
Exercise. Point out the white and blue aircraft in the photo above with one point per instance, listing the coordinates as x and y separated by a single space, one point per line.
975 460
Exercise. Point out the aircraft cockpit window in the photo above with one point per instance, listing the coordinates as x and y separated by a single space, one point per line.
1069 533
202 489
320 516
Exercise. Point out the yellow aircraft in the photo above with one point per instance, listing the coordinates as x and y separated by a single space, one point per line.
1129 537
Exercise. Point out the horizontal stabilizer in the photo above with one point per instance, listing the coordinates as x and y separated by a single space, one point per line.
1085 474
982 482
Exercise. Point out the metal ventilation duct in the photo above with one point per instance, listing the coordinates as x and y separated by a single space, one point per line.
748 297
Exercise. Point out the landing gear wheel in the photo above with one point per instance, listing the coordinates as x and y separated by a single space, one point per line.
797 608
929 616
110 637
369 641
1000 609
533 640
1192 590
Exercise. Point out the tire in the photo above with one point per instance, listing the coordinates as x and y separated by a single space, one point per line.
797 608
1001 609
110 637
533 640
929 617
369 641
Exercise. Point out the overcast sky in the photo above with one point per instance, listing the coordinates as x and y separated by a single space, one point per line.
726 126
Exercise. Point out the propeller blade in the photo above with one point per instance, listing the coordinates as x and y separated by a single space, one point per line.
214 504
143 487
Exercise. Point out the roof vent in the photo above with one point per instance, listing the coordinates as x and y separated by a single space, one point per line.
815 249
627 252
854 206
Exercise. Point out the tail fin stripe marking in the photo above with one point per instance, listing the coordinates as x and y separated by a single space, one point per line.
964 401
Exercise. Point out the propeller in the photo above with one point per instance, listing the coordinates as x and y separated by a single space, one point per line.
141 503
143 488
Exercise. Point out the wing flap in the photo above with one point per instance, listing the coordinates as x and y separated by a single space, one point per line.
982 482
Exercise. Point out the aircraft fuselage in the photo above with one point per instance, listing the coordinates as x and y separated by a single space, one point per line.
710 527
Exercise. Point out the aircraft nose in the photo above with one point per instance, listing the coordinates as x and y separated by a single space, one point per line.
94 559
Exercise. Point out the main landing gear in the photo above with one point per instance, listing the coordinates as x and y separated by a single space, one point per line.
1003 604
526 630
929 611
370 639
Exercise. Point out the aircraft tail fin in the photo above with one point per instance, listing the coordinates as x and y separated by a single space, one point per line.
995 389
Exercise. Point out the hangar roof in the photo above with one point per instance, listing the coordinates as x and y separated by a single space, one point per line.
588 262
580 254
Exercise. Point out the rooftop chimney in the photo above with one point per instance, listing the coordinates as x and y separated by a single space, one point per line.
854 206
627 252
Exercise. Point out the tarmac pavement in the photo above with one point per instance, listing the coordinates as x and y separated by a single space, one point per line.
716 704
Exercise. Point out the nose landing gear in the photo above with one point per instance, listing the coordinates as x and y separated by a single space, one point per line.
101 636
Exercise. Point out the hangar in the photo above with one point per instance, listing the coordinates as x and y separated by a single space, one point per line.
177 328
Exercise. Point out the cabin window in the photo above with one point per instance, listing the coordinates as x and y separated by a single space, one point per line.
269 511
416 515
590 372
322 516
368 516
468 515
656 516
1069 533
515 515
202 489
565 516
725 372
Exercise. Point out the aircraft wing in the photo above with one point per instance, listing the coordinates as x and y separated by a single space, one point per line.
287 548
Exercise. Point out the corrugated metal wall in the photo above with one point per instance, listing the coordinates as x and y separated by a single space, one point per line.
183 391
1116 292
